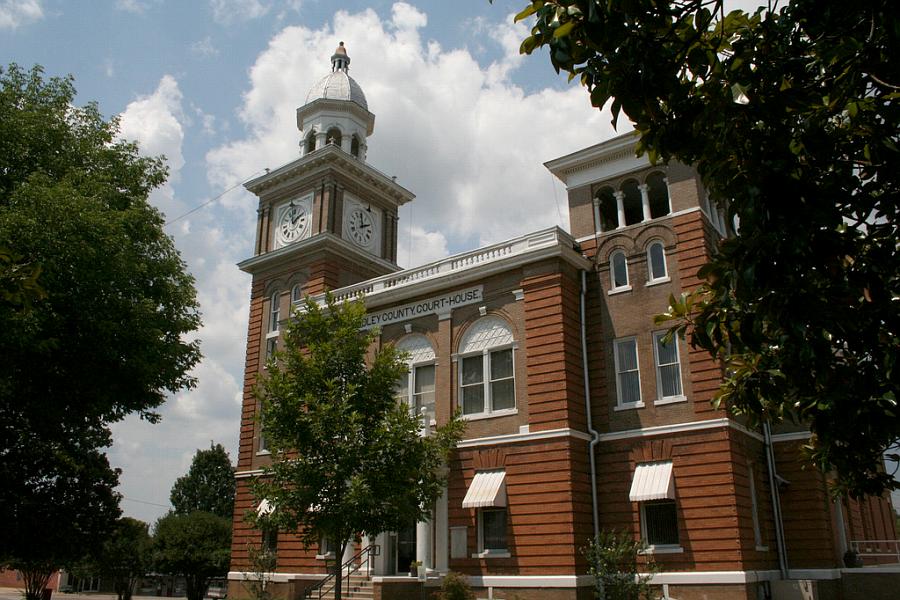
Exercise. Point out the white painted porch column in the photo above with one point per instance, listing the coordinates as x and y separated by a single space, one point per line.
423 544
442 533
620 207
645 201
381 561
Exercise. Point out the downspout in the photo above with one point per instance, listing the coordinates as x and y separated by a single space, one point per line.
776 502
595 437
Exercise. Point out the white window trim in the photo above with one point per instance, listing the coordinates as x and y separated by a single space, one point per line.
657 280
613 288
660 399
410 385
274 321
490 552
658 548
488 411
637 359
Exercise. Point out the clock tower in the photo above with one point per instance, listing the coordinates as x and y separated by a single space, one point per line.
325 220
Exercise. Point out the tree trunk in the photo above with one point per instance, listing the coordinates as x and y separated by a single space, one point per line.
36 578
339 570
195 587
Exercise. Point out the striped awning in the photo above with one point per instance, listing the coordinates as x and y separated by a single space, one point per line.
487 489
265 508
652 481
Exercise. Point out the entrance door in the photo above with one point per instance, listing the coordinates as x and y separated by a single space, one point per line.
406 548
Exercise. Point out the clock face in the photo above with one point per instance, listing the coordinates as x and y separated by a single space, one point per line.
293 224
361 227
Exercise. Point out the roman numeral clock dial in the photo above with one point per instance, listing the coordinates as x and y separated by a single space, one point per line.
361 227
293 224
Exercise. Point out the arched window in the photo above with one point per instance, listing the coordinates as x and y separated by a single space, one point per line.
658 193
354 145
607 211
634 209
618 270
333 136
296 293
274 311
486 374
416 388
656 262
311 142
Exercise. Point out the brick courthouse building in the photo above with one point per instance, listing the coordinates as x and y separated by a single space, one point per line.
579 415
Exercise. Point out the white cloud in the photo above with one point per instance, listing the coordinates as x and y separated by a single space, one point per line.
211 411
463 137
226 12
15 13
133 6
204 48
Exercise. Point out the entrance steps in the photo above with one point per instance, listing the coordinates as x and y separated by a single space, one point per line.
355 587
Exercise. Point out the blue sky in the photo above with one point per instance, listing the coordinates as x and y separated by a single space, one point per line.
462 120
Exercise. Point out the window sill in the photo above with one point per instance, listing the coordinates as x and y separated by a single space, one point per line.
492 554
663 549
263 453
497 413
670 400
619 290
272 334
659 281
326 556
620 407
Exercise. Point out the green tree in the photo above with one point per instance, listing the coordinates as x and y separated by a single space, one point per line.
613 561
790 116
124 556
104 336
348 459
196 546
208 485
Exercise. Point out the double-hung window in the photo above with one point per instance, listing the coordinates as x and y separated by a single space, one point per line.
656 263
668 368
618 272
628 375
486 369
274 312
416 388
492 530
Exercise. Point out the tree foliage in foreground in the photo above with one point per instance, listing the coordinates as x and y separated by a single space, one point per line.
124 557
348 459
791 117
208 485
94 309
613 562
196 546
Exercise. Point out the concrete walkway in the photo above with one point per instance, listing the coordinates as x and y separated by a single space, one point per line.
7 593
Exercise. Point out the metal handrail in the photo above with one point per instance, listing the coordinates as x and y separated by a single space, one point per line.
363 557
876 548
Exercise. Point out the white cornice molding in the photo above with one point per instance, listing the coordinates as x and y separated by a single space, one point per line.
335 156
248 474
532 436
618 148
320 241
794 436
466 267
656 221
678 428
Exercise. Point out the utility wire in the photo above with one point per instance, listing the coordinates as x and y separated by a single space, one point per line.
146 502
211 200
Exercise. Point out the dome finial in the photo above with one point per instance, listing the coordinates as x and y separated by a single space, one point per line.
339 60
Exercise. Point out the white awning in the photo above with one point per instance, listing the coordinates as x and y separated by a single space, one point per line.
652 481
265 508
487 489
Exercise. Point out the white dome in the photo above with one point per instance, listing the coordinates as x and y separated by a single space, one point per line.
337 85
